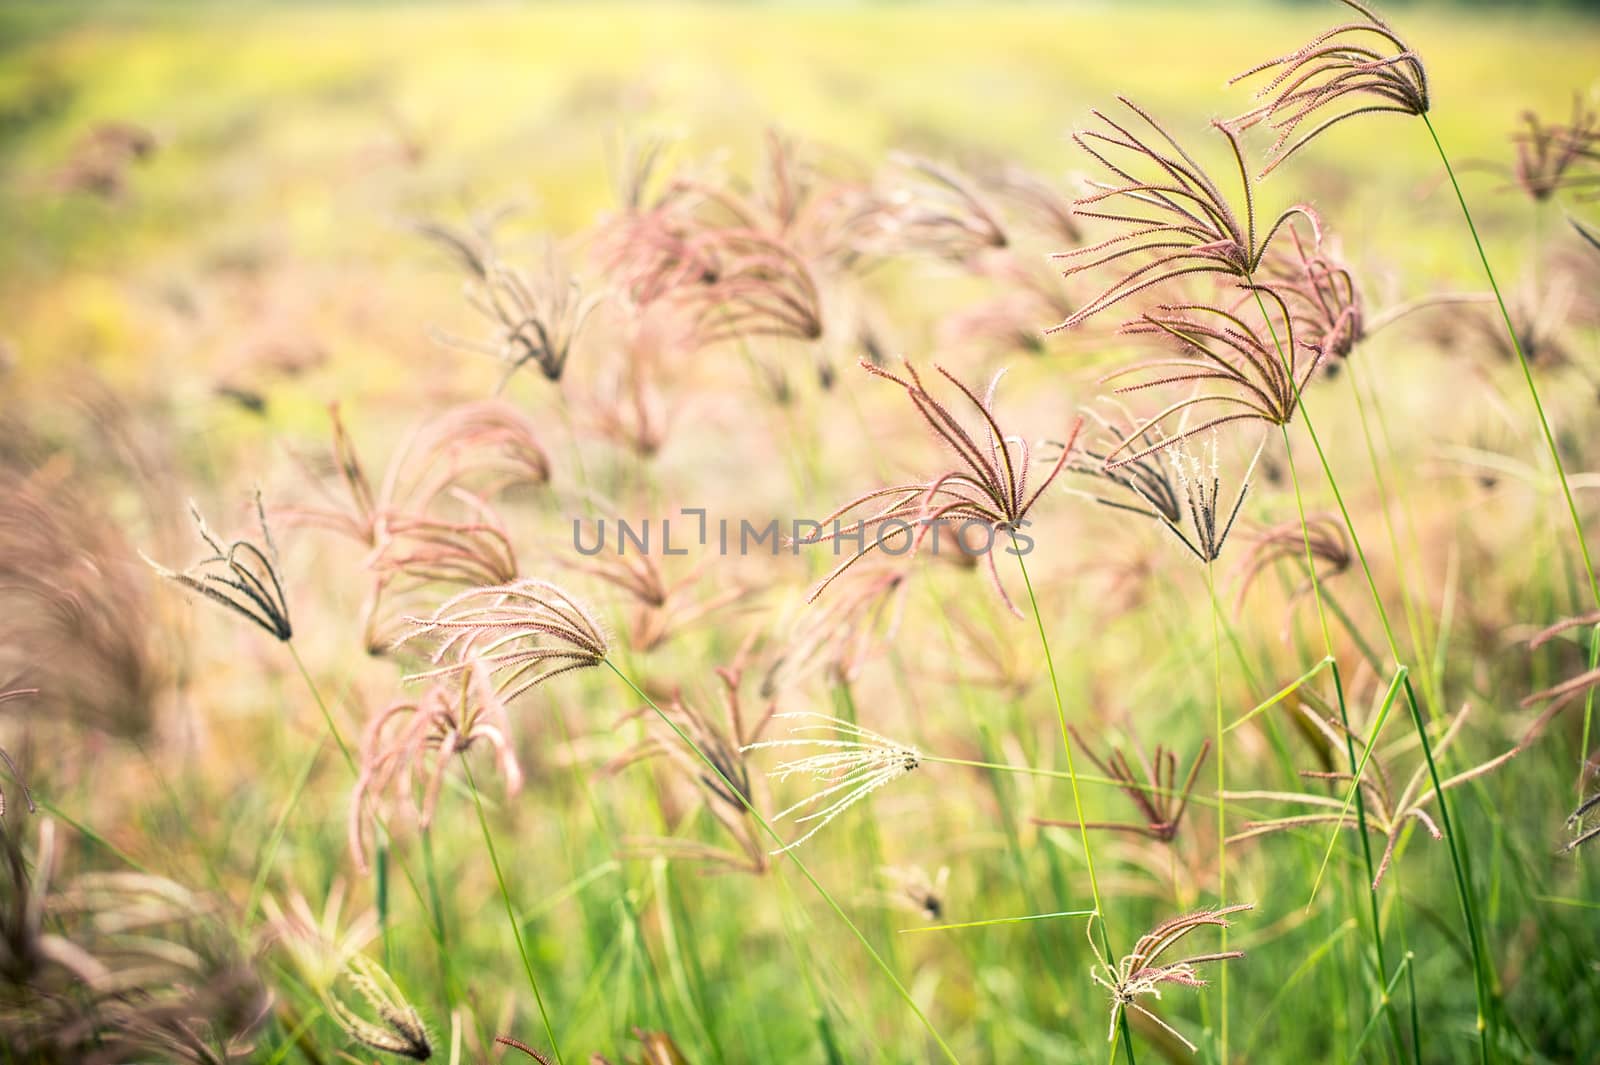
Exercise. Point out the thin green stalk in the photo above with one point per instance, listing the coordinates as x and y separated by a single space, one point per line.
581 782
350 762
1388 990
1406 951
430 877
1222 797
1321 600
1588 708
804 869
1371 884
1468 911
327 715
270 852
91 835
820 1003
511 914
292 1039
1066 741
1028 770
381 892
1281 694
1527 370
1072 773
997 920
382 846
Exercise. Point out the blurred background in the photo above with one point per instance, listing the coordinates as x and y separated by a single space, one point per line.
209 233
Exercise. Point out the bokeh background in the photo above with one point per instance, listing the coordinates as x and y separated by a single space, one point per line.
208 235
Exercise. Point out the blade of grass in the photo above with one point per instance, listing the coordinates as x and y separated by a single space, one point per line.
997 920
1355 784
1072 772
511 913
1281 694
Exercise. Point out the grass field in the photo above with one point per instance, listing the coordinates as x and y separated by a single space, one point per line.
210 235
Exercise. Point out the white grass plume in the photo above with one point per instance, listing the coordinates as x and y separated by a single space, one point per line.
851 761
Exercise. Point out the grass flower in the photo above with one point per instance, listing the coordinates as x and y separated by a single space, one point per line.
1554 157
1157 796
1200 486
524 633
1164 479
1582 822
28 951
942 213
134 967
517 1044
395 1026
1577 822
399 743
1037 202
1028 292
1260 369
849 762
1174 219
627 404
1356 68
1147 477
319 944
1141 972
989 484
1388 810
535 318
1323 303
752 284
431 518
1322 534
484 449
731 270
1010 320
1559 696
1542 319
240 575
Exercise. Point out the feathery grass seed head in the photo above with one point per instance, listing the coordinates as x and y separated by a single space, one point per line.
849 761
524 633
1141 972
241 575
1357 67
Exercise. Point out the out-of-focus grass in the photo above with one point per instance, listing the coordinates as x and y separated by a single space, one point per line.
306 116
307 134
293 145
